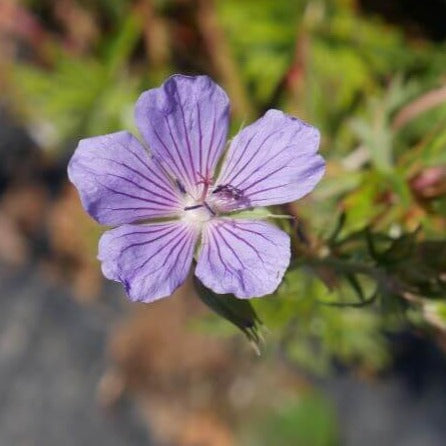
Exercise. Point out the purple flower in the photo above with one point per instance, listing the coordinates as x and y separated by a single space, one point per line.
166 201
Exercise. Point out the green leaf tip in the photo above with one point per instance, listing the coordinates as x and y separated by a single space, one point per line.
238 312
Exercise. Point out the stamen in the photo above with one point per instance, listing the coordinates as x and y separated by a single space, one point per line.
196 206
180 186
229 191
209 209
207 182
226 197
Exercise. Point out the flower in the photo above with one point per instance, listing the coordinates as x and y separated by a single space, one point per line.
164 201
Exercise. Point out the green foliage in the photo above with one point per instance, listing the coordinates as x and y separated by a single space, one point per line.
86 86
265 47
308 421
83 96
312 333
357 79
236 311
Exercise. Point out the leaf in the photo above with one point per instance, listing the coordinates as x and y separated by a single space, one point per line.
353 281
237 311
256 213
338 228
259 214
308 420
435 314
121 47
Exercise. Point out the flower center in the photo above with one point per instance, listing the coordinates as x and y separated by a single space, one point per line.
227 198
212 201
196 213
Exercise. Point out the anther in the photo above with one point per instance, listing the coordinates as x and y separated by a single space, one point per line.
180 186
196 206
209 209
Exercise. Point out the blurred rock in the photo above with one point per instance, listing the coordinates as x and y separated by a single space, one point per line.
195 388
73 238
13 246
404 408
51 359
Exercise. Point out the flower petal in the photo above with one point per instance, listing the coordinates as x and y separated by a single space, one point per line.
272 161
185 123
150 260
245 257
119 182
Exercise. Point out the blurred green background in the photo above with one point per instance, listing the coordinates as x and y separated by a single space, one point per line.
365 294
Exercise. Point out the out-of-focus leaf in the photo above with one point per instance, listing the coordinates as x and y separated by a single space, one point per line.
309 421
435 314
434 152
338 228
254 213
424 270
120 48
269 29
237 311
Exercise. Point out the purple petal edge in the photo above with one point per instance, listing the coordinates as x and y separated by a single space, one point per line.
118 182
185 123
150 260
247 258
273 161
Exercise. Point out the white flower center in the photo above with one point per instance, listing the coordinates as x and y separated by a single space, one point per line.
195 213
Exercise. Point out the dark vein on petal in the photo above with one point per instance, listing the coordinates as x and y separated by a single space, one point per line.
230 166
143 264
178 172
126 194
211 143
186 135
138 186
200 141
187 239
136 209
161 228
180 253
244 241
186 176
285 198
206 244
234 253
187 256
268 188
217 246
264 177
168 256
169 198
147 242
163 178
254 155
261 166
255 232
217 146
167 189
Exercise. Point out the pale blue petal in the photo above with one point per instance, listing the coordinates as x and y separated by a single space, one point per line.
185 123
245 257
118 182
150 260
272 161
